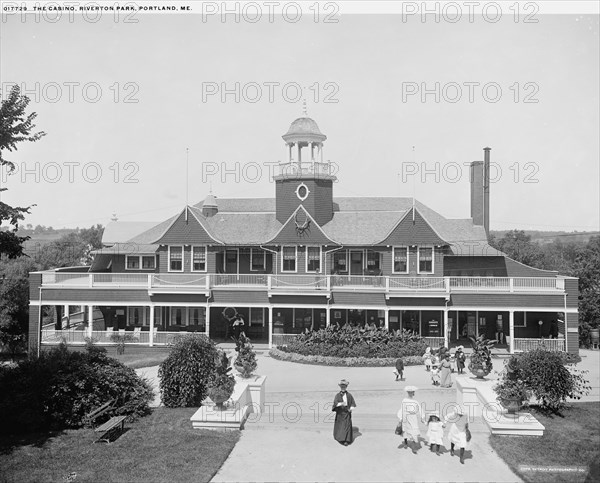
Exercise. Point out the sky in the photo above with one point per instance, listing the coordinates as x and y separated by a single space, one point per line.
144 112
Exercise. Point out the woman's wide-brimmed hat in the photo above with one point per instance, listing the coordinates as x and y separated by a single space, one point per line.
460 347
344 382
411 388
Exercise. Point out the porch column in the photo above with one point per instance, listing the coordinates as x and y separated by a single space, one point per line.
65 314
207 320
90 320
270 326
151 328
446 335
328 317
511 331
387 319
476 323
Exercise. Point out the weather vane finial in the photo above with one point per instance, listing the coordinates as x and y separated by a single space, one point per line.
304 111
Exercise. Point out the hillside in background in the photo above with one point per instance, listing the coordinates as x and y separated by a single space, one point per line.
543 237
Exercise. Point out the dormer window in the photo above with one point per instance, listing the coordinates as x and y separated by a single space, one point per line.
175 259
313 259
198 259
425 257
288 259
400 260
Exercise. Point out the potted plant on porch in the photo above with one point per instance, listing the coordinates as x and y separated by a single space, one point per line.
511 389
222 385
481 359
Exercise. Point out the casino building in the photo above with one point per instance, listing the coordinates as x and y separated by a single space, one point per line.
303 260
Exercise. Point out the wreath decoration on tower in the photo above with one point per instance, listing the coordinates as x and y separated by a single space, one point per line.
301 226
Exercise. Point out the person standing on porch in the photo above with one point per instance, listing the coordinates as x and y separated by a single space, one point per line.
343 404
410 414
553 329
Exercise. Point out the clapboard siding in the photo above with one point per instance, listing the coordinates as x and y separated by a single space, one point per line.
506 300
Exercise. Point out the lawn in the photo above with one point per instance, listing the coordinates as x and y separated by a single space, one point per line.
160 447
570 441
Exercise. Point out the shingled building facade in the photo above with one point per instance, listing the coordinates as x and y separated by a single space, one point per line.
304 260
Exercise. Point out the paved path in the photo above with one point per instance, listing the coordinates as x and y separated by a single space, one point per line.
292 440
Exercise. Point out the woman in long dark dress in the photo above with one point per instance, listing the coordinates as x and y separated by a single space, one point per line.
343 404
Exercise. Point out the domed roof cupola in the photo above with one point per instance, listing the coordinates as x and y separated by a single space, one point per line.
304 133
209 206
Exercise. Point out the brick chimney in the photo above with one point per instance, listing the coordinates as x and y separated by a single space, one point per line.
480 191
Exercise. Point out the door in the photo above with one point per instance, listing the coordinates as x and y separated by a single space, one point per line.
356 263
231 261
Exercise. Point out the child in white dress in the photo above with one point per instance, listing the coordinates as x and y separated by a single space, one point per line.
435 433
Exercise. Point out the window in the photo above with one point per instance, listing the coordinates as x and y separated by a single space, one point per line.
175 259
133 262
257 260
400 259
178 316
313 259
340 262
198 259
148 262
372 261
288 260
257 316
425 260
138 316
196 316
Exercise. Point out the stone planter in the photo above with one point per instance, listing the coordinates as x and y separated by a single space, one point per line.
478 370
512 406
219 395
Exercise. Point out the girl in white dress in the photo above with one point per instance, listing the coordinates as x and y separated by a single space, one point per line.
435 433
410 414
458 432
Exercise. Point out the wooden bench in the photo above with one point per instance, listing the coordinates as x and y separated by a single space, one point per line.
109 428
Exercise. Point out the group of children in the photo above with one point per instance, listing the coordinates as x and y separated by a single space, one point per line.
411 414
434 359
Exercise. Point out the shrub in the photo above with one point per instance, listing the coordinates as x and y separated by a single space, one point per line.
188 370
245 361
511 386
59 388
351 341
550 379
343 361
223 383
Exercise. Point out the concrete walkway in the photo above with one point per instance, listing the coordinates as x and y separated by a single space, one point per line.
292 440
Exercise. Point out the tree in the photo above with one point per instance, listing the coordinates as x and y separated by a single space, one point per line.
518 246
14 301
73 249
15 127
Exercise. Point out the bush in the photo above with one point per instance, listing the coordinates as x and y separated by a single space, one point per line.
188 371
245 361
550 379
343 361
357 342
58 389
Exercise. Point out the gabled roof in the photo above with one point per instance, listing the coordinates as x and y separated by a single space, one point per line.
356 221
313 234
120 231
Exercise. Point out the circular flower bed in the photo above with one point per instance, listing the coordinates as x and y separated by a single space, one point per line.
343 361
353 346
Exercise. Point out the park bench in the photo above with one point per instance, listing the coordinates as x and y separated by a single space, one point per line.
110 427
